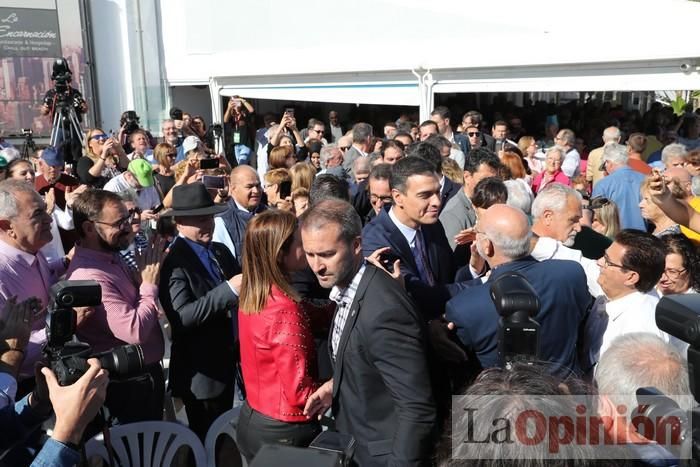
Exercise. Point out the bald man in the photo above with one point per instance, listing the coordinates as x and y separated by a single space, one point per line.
503 240
245 195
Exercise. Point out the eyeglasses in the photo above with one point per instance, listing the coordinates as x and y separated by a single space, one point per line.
171 154
343 148
123 222
474 133
674 274
554 161
610 264
597 203
319 131
100 137
384 199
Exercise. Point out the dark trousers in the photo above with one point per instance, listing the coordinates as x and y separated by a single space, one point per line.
201 413
255 429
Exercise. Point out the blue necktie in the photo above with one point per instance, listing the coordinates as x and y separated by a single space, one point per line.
421 258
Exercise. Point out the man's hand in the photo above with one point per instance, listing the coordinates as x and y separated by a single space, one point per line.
657 187
476 261
236 282
73 194
16 322
375 259
150 259
76 405
50 200
441 334
465 236
319 401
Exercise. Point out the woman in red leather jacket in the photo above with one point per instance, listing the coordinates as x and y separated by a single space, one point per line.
278 355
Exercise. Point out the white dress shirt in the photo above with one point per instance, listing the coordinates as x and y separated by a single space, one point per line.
549 248
408 233
635 312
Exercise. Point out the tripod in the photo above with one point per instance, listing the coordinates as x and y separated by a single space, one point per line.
28 145
65 126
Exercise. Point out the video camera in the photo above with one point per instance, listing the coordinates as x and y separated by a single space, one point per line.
67 357
130 121
679 316
518 334
62 75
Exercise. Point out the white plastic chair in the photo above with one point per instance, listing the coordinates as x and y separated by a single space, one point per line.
225 424
160 441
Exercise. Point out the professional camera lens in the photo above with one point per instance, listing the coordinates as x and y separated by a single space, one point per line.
123 361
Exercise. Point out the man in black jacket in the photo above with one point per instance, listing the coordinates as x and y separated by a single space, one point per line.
380 391
199 286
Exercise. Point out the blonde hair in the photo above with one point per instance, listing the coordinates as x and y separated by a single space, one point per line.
277 176
608 216
160 153
524 143
303 174
267 238
451 170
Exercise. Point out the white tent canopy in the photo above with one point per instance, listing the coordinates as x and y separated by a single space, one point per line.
366 51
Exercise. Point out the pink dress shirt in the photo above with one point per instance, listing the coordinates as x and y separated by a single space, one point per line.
26 275
128 313
559 177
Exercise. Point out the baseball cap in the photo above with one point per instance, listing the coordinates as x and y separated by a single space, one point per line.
143 171
190 143
52 156
3 162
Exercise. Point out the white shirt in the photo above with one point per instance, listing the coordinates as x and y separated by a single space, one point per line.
549 248
408 233
458 156
635 312
148 197
571 166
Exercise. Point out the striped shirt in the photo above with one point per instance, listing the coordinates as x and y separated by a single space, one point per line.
343 298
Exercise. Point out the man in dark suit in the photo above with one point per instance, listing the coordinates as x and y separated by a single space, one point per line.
503 240
473 118
199 286
412 230
380 392
245 195
441 115
430 150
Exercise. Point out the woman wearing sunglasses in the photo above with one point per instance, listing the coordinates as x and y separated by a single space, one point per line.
164 176
104 158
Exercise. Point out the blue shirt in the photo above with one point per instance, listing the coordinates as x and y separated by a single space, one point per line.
206 257
622 188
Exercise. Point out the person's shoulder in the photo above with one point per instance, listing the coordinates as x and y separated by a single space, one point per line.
470 304
559 268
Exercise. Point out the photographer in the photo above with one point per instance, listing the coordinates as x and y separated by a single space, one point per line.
128 124
238 120
63 97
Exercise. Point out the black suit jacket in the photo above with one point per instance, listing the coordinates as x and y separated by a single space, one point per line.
381 390
202 356
381 232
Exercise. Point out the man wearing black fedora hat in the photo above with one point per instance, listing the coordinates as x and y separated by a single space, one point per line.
199 287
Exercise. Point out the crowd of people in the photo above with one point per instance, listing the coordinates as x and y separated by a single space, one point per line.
301 272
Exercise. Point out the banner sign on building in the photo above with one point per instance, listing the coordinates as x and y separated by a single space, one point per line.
26 32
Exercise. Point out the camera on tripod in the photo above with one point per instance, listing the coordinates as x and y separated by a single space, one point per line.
67 357
62 75
518 334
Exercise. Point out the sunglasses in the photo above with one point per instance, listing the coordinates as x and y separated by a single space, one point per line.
474 133
171 154
100 137
343 148
597 203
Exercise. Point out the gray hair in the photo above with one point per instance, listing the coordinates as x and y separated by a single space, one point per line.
568 136
673 150
553 198
10 154
360 132
615 153
8 196
509 247
519 196
638 360
361 164
558 149
612 134
129 195
167 120
327 152
695 185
